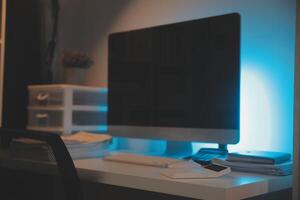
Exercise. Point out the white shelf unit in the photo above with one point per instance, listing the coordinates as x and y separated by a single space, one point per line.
65 109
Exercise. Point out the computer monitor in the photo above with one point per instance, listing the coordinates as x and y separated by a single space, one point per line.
177 81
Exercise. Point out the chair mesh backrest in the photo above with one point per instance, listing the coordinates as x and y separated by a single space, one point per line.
67 171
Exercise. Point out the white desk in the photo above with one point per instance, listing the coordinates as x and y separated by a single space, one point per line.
230 187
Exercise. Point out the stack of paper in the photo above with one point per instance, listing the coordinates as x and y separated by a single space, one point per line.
282 169
79 145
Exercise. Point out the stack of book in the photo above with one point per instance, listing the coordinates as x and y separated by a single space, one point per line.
264 162
80 145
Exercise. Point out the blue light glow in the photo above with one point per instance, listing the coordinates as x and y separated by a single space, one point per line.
102 128
103 90
102 108
257 115
267 64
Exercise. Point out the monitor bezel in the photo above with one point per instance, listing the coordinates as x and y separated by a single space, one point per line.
229 136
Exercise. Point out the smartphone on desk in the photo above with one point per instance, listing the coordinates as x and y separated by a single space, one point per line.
207 171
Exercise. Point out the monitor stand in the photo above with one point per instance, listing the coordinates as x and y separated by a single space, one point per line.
174 149
178 149
205 155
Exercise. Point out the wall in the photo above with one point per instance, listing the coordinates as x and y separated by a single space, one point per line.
267 56
296 161
70 32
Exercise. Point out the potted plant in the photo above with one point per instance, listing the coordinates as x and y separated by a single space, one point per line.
75 65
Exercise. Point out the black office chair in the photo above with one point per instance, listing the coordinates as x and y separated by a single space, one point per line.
66 169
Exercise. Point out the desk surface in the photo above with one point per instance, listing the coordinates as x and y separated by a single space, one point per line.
232 186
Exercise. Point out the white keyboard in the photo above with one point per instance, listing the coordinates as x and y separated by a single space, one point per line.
144 160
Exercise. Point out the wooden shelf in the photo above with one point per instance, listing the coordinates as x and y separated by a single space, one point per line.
2 49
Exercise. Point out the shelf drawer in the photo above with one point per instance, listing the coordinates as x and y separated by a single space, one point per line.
90 98
88 118
46 97
54 96
45 118
54 118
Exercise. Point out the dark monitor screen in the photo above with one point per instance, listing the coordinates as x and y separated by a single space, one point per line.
178 81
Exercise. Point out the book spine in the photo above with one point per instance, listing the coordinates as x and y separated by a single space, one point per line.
251 160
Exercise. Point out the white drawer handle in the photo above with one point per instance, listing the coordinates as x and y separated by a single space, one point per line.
41 116
42 96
